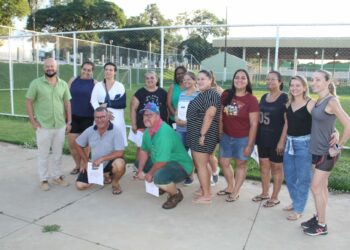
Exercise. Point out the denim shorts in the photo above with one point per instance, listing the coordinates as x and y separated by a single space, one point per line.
231 147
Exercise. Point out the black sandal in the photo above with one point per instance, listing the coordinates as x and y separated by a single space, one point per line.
74 171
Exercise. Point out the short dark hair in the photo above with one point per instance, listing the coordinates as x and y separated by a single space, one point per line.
101 109
88 63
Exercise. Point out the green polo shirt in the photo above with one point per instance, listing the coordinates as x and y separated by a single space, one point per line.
165 145
48 101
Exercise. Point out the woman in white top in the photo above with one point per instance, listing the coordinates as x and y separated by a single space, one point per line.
111 94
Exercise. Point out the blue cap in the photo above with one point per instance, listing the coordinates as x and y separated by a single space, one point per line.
151 107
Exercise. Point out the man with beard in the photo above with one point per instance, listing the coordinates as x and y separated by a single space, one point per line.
49 111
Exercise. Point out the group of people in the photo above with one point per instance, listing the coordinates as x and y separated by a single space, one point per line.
295 136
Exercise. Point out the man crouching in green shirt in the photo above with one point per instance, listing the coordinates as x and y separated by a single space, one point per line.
162 157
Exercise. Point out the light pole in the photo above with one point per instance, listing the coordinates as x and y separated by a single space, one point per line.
110 50
335 56
316 53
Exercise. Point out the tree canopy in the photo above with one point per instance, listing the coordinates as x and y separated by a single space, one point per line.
78 15
12 8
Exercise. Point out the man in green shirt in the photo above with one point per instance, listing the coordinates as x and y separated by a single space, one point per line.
162 156
49 111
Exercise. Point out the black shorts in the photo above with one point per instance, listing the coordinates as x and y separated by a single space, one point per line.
324 162
270 153
80 123
83 177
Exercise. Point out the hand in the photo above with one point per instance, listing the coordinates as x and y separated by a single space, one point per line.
333 151
334 138
280 148
139 175
110 116
96 163
148 177
103 105
68 128
247 151
134 128
36 125
83 167
201 140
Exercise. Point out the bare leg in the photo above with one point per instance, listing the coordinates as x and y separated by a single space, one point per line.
72 149
241 172
277 175
265 169
118 170
201 161
319 190
228 174
169 188
213 162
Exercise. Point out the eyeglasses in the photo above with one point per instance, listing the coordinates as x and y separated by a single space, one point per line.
100 117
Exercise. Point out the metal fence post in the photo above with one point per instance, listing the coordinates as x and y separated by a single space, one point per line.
74 54
277 47
161 57
11 74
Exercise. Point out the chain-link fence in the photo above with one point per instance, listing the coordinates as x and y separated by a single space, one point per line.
298 49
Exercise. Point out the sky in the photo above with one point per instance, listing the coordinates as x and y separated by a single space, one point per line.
250 11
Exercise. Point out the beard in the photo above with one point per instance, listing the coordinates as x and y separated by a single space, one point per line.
50 74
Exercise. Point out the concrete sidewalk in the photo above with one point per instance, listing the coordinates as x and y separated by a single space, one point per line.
96 219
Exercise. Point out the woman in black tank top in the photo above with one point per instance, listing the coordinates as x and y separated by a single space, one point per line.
297 158
325 89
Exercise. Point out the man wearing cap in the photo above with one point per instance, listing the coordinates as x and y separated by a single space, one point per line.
163 157
107 147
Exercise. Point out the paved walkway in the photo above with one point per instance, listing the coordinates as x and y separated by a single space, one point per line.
95 219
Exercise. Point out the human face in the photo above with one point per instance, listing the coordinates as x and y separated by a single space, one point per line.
203 82
109 72
296 88
151 81
240 81
179 75
188 82
150 119
319 82
101 119
86 71
50 67
272 82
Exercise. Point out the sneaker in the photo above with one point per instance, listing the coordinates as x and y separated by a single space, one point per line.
310 223
173 200
316 230
188 181
215 177
44 186
60 181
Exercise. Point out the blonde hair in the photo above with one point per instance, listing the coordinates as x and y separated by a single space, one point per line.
304 83
328 77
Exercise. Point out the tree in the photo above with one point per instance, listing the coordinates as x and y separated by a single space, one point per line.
201 17
12 8
78 15
198 47
153 17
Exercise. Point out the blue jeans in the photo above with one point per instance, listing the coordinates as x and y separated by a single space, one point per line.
297 163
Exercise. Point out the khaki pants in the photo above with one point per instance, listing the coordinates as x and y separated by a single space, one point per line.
47 139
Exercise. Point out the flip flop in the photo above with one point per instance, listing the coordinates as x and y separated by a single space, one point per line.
223 193
260 197
116 190
231 198
293 216
288 208
74 171
271 203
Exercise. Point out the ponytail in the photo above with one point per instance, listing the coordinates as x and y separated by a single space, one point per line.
332 89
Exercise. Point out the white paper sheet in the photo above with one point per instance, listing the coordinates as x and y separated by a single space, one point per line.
182 110
136 138
95 176
151 188
255 154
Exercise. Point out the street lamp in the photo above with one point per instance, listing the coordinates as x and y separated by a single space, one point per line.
335 56
316 53
110 50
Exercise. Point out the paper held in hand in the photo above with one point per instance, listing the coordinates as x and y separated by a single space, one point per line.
95 175
151 188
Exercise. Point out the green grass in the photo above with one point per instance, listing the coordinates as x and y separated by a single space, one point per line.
18 131
51 228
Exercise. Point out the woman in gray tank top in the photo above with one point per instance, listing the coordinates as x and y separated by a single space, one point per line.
327 109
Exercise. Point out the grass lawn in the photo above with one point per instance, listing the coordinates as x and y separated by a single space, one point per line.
18 131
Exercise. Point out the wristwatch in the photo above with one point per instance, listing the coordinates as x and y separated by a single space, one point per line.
338 147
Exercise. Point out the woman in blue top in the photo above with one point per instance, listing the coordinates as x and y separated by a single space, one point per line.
82 112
